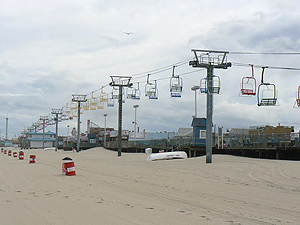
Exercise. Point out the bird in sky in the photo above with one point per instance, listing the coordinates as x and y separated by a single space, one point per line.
128 33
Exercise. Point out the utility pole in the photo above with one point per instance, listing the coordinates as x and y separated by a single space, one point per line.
210 60
57 113
43 119
78 99
120 82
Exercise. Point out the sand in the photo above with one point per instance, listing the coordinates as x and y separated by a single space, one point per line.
108 189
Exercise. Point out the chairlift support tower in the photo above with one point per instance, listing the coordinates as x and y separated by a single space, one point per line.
120 82
210 60
57 113
78 99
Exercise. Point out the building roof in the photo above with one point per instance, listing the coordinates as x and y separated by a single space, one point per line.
38 133
198 122
185 132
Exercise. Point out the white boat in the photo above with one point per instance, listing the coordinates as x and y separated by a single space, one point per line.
167 155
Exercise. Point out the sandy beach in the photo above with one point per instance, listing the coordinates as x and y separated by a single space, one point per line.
108 189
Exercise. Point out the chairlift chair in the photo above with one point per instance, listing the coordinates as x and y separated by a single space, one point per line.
110 102
297 103
100 105
103 96
151 89
248 85
203 85
215 87
86 105
266 93
134 92
93 103
175 85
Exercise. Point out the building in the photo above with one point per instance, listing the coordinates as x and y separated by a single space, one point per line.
35 140
199 131
271 136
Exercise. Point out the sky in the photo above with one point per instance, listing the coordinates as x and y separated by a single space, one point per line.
50 50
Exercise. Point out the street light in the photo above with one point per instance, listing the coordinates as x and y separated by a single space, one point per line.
135 107
105 115
195 88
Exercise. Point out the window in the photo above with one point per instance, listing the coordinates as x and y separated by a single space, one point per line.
202 134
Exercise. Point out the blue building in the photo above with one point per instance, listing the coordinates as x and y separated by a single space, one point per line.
35 140
199 131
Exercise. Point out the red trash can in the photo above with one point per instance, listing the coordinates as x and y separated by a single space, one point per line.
32 158
21 155
68 167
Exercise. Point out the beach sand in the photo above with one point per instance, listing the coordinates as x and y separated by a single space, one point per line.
108 189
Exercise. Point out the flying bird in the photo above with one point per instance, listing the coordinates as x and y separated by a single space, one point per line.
128 33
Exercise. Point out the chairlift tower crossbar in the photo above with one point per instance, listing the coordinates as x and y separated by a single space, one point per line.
210 60
120 82
43 119
78 99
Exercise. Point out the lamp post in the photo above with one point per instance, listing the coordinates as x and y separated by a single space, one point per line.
105 115
195 88
135 108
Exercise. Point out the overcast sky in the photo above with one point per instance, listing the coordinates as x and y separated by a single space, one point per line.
50 50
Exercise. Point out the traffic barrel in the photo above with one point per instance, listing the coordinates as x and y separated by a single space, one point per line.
68 166
21 155
32 158
9 152
15 154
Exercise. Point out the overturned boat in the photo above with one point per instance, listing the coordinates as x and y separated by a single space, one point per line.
167 155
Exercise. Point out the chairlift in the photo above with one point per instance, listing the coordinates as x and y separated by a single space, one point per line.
297 103
93 102
110 102
248 85
215 87
134 92
151 89
266 93
86 105
103 96
115 93
176 85
100 105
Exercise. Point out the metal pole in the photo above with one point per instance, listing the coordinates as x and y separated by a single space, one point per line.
6 128
120 122
43 133
105 115
78 127
195 103
209 113
56 131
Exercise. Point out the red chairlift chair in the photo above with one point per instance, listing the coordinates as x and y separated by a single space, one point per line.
248 85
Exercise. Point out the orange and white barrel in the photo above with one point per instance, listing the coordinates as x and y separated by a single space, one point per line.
68 167
32 158
21 155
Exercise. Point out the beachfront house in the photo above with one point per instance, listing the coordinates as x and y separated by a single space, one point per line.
35 139
199 131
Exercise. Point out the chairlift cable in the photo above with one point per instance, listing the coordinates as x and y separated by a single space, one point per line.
269 67
265 53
